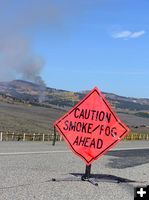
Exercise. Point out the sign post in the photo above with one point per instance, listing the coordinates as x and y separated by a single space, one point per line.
91 128
54 136
87 176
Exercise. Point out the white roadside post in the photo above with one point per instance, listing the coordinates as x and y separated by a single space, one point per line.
34 137
1 136
12 136
43 137
24 137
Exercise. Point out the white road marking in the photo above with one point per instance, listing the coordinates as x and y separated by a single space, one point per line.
31 152
131 148
63 151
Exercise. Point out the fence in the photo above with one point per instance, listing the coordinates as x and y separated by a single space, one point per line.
29 137
57 137
137 136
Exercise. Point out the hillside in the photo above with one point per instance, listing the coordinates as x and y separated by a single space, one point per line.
27 92
25 118
31 108
23 91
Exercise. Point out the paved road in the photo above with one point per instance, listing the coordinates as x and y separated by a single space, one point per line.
27 176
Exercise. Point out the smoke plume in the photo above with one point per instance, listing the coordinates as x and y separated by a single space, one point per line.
20 21
17 59
17 20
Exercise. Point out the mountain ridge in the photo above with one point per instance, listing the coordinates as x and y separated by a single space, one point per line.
29 107
35 93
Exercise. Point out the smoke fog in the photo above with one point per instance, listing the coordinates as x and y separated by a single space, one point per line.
18 20
17 59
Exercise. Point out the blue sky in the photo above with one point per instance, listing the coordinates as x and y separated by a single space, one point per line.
85 43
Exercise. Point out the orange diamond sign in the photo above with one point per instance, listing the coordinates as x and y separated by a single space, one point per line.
91 128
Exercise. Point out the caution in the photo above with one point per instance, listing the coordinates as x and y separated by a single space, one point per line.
91 128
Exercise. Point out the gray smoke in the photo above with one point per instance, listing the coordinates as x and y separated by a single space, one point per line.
17 59
19 22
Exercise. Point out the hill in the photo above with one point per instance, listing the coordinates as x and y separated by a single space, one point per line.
24 118
23 91
31 108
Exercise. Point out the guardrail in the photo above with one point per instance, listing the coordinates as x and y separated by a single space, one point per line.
57 137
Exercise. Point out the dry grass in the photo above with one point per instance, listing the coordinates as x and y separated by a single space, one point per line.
26 118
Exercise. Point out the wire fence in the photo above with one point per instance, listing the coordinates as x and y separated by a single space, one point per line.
51 136
29 137
137 136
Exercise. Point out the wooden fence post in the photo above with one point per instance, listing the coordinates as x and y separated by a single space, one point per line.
61 138
12 136
23 136
34 137
1 136
132 137
43 136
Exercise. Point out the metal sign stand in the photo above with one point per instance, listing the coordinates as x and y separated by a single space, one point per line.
87 176
92 178
54 137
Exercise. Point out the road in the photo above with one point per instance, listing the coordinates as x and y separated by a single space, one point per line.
27 168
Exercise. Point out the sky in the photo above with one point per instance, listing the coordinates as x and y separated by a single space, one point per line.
77 44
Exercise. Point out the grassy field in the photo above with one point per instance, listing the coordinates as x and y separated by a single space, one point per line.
27 119
137 124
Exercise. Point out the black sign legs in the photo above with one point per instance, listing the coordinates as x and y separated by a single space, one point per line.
54 137
87 176
87 172
84 177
